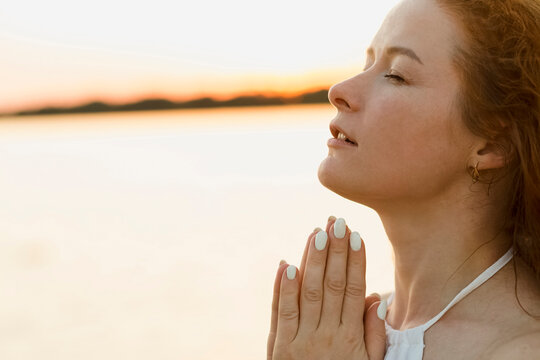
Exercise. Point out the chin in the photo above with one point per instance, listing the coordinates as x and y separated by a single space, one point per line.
333 178
324 173
329 177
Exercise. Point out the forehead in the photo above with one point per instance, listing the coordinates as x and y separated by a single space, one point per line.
420 25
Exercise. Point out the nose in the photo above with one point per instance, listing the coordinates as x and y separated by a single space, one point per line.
342 96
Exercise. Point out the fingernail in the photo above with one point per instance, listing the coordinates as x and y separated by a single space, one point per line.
355 240
282 262
291 272
320 240
317 229
376 294
331 218
381 310
339 228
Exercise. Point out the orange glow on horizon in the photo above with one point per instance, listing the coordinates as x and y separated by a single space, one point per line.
56 56
222 89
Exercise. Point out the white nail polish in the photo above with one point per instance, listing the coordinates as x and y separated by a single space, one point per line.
291 272
356 241
381 310
340 228
320 240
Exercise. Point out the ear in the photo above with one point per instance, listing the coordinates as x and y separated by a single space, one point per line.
490 155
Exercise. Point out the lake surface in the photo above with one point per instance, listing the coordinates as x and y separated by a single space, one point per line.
156 235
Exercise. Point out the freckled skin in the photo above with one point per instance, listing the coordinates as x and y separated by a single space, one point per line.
411 167
412 144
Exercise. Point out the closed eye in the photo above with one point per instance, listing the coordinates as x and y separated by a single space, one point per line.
394 77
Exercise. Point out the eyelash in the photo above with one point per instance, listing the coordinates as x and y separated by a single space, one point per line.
390 76
394 77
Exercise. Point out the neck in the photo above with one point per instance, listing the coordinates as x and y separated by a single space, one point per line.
439 249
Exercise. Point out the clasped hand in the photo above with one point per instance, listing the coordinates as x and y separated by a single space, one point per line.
320 312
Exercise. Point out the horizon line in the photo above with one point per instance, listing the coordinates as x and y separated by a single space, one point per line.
164 103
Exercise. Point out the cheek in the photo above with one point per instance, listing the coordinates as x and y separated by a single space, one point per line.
408 149
407 129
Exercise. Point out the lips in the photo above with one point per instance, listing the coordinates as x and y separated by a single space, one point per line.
339 134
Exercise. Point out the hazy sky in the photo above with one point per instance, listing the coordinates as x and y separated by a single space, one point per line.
60 52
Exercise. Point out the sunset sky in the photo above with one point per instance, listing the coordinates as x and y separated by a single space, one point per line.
63 53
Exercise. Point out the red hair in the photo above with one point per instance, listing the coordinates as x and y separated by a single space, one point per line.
499 66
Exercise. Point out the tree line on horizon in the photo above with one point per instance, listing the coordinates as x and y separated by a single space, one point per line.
315 97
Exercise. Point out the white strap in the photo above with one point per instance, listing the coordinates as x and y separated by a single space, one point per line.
482 278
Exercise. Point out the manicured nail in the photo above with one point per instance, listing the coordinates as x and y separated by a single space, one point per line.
356 241
340 228
331 218
381 310
291 272
282 262
317 229
320 240
376 294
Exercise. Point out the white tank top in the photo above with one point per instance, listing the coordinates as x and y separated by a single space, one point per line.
409 344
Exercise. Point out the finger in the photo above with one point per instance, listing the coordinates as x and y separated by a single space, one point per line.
335 274
304 256
288 312
352 315
275 306
370 300
312 287
330 222
375 332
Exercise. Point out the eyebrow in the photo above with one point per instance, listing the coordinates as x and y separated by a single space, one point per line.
398 50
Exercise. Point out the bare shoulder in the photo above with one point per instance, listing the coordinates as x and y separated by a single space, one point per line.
524 346
495 322
520 335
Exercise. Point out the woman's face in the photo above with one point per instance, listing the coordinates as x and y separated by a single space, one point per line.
410 142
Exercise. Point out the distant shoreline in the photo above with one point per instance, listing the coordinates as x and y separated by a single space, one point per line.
316 97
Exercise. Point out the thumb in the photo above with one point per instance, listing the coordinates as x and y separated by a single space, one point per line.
375 331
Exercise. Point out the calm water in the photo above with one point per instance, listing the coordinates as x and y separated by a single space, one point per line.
156 235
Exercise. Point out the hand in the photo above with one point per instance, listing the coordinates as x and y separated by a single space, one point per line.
320 312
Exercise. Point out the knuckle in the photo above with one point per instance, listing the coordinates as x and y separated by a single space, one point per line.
380 336
317 261
339 249
352 339
312 294
289 314
354 291
325 339
288 291
355 262
336 286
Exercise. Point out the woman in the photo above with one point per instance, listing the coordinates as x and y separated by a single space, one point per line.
440 135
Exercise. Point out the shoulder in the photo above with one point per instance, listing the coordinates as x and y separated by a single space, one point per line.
518 334
525 346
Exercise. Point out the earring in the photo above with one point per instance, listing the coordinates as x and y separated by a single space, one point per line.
475 174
